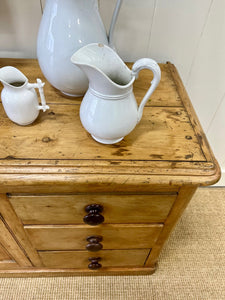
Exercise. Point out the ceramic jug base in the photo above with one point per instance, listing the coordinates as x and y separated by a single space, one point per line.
71 95
23 124
108 142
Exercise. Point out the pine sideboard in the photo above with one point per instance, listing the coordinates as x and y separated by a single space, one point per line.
69 205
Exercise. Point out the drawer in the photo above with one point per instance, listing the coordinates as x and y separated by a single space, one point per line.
74 237
80 259
70 209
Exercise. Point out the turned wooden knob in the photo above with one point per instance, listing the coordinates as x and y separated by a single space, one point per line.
94 265
94 216
94 243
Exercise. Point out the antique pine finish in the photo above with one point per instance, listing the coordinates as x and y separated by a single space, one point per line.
55 181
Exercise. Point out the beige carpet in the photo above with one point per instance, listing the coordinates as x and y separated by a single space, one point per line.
191 266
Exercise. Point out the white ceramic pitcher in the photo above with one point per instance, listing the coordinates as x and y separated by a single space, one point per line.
109 110
66 26
19 97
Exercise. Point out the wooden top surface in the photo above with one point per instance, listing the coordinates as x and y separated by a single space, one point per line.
168 141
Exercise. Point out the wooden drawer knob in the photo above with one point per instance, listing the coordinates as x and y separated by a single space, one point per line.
94 243
94 216
94 265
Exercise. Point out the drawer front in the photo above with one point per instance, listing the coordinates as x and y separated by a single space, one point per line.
81 259
70 209
74 237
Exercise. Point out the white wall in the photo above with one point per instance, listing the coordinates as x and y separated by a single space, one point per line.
189 33
19 21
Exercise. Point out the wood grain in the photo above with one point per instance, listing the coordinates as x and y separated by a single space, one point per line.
79 259
167 140
61 136
73 237
52 169
9 243
3 254
49 272
70 209
17 236
184 196
8 265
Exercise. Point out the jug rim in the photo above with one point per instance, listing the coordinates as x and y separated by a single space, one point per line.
121 86
6 82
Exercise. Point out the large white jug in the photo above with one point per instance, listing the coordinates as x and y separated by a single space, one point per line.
66 26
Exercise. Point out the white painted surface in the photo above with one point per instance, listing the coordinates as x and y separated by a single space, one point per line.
133 29
19 22
189 33
176 30
206 83
216 132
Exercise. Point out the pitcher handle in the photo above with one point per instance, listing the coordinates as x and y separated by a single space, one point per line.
113 22
147 63
39 85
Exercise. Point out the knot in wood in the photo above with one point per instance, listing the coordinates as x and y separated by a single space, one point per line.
188 137
46 139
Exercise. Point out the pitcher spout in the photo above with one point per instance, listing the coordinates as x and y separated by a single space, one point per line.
106 71
12 77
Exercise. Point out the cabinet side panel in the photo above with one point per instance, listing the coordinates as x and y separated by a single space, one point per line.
183 198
